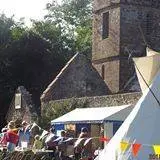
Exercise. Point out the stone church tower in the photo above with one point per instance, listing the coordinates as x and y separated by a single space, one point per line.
121 27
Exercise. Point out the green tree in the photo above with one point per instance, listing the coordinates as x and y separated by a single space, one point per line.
75 19
53 34
6 25
29 57
32 57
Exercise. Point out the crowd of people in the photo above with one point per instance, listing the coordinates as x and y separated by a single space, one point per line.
24 137
12 137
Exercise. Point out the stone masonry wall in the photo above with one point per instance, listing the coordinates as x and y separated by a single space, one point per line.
111 69
139 22
144 3
103 48
109 47
139 28
77 79
27 109
100 4
127 71
133 25
53 109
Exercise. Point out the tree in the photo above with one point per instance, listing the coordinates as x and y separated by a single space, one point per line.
75 19
53 34
6 25
29 57
32 57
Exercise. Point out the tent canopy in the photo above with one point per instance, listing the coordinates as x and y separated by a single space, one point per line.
147 66
141 126
95 115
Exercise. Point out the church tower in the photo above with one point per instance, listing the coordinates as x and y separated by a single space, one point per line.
121 28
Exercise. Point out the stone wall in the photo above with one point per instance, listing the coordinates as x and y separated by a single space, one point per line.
126 72
139 27
101 4
144 3
139 22
77 79
105 101
111 69
133 24
99 101
26 111
53 109
104 48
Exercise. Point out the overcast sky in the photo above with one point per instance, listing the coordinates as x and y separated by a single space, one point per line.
34 9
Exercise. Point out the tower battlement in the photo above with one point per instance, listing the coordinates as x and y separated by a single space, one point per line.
99 4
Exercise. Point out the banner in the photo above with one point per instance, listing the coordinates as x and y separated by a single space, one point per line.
156 149
135 149
124 146
104 139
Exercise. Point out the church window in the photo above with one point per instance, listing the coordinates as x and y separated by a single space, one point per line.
105 25
103 72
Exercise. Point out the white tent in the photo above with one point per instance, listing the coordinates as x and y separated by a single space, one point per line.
151 52
95 115
148 67
141 126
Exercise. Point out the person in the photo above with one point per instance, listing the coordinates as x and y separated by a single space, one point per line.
34 130
3 140
11 137
102 135
82 151
37 143
78 146
12 123
86 150
62 148
43 137
50 145
24 134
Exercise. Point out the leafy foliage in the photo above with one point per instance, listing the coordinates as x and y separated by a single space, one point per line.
29 57
75 19
5 29
32 57
54 109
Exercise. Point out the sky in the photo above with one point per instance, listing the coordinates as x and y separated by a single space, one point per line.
34 9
